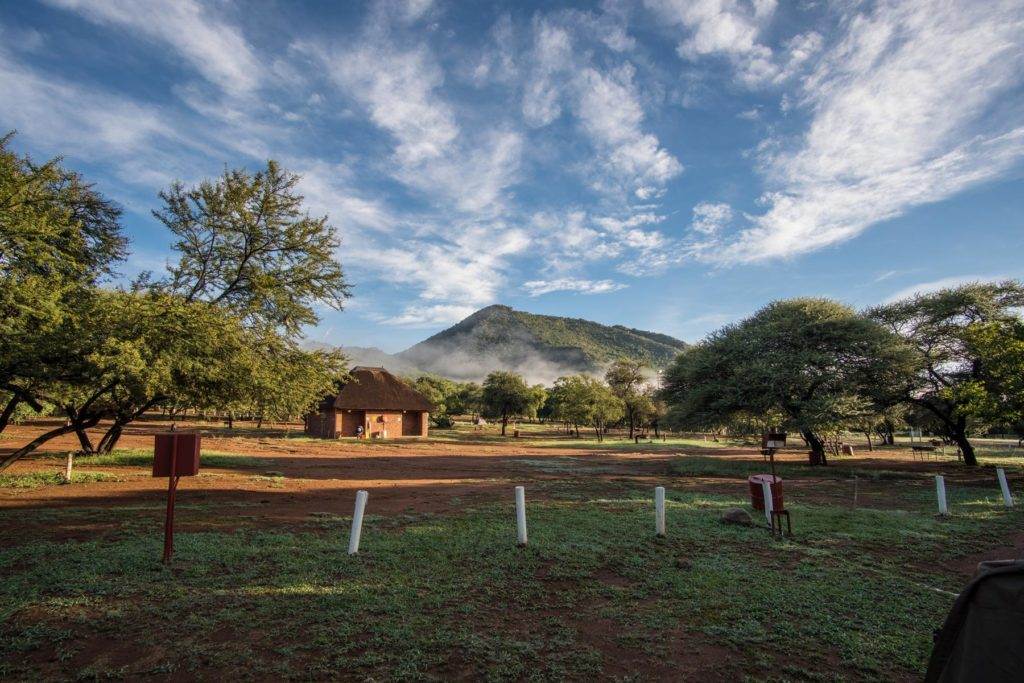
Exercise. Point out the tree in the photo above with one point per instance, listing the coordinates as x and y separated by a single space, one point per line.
812 361
467 400
584 400
441 393
505 395
58 238
950 383
246 243
626 379
999 389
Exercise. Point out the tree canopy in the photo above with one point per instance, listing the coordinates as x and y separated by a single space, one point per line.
945 328
814 362
506 395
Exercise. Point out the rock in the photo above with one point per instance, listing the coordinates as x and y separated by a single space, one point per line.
737 516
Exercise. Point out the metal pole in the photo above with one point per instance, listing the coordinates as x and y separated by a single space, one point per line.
357 522
172 486
659 510
521 515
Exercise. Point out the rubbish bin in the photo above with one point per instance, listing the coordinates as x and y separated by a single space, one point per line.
757 491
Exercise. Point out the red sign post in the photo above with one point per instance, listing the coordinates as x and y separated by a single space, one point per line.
175 454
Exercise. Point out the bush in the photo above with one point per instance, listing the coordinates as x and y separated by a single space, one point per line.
443 421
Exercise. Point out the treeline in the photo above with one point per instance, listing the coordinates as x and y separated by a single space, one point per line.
624 397
218 331
949 362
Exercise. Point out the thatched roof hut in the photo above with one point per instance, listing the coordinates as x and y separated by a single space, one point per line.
374 399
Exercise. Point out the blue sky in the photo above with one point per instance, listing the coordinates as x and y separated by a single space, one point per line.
670 165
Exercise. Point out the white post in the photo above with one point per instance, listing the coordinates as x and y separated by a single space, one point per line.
940 492
521 514
357 522
659 510
1007 498
766 489
67 467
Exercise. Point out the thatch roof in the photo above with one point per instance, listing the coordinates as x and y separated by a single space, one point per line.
378 389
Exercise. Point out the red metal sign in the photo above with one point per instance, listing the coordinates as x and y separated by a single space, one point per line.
175 454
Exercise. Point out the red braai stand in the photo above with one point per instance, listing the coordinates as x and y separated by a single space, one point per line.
175 454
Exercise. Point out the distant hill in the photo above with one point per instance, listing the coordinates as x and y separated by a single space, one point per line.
371 356
541 347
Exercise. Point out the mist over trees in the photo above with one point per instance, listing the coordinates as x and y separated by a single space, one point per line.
220 331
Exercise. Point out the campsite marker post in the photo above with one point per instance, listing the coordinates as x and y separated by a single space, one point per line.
766 489
659 510
940 492
521 515
357 522
1007 498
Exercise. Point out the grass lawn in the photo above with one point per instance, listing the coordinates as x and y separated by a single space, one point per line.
856 594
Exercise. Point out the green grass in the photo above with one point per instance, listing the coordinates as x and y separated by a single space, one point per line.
704 466
35 480
855 594
143 457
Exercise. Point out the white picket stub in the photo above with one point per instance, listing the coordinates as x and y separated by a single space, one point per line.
357 522
659 510
766 489
521 515
940 493
1007 498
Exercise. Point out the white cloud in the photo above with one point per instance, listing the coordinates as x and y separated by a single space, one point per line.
215 48
709 218
937 285
428 316
610 112
724 27
906 109
539 287
552 55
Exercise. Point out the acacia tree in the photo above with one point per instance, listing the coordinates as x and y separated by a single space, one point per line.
627 381
813 361
246 243
951 372
506 395
584 400
999 390
58 238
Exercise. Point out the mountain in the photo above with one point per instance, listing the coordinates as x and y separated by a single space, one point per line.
370 356
540 347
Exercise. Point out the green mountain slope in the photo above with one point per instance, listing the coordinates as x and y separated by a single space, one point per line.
541 347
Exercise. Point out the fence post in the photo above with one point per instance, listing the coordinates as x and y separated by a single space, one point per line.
940 492
357 522
766 491
521 515
1007 498
659 510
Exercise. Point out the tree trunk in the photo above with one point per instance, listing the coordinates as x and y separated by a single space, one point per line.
632 424
598 431
577 431
37 442
504 423
871 446
111 438
959 436
817 456
656 434
83 436
888 436
5 416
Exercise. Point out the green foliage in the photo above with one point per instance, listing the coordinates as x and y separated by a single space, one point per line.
997 394
584 400
58 237
506 395
628 381
950 384
814 362
247 244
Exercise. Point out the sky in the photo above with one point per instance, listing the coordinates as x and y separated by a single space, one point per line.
670 165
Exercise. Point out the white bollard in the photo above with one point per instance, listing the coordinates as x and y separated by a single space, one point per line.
659 510
766 489
940 492
521 514
1007 498
357 522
